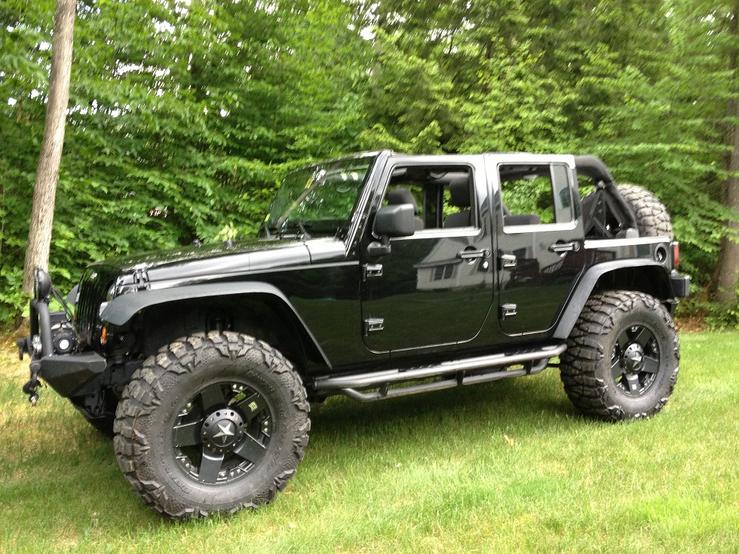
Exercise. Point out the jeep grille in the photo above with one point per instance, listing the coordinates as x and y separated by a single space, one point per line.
93 290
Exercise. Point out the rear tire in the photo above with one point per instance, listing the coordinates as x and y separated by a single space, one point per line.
211 424
622 357
652 218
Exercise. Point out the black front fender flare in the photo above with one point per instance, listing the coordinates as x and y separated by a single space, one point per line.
120 310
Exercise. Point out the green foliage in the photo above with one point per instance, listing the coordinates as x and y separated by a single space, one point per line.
723 317
530 196
321 197
182 118
716 316
184 115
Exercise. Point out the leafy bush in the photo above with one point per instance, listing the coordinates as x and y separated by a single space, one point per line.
716 316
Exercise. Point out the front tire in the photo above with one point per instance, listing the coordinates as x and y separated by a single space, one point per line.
622 357
211 424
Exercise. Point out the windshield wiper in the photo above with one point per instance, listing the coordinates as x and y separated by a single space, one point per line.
266 229
281 230
306 234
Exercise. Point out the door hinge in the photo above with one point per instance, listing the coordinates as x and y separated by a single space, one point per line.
371 270
131 282
508 310
507 261
373 325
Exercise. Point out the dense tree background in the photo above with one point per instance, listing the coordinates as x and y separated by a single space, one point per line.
184 114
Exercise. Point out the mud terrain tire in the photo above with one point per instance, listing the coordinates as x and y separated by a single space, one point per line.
146 424
600 368
652 218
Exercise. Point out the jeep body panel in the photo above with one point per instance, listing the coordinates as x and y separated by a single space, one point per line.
325 291
514 287
540 279
325 283
405 290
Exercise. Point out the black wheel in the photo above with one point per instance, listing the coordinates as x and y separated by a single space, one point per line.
652 218
212 423
622 357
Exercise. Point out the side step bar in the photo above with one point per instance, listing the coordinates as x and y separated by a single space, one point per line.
534 361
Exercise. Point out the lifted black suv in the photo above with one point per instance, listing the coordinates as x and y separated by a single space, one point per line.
374 276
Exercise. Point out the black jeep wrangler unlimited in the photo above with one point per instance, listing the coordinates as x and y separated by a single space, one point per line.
374 276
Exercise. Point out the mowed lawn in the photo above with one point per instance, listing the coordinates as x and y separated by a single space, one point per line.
507 466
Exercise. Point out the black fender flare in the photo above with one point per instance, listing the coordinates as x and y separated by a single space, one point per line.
585 286
121 309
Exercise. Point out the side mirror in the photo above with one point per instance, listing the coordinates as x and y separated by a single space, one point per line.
398 220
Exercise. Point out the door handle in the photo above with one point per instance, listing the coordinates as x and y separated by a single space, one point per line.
561 247
508 261
473 254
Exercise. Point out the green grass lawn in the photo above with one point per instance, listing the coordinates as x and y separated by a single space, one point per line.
507 466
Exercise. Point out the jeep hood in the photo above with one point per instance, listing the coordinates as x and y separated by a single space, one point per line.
195 263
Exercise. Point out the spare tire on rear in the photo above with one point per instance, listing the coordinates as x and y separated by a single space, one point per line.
652 219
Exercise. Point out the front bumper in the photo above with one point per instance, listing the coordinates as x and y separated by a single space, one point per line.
67 373
680 284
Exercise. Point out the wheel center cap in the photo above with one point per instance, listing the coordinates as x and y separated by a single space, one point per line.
225 432
221 429
633 357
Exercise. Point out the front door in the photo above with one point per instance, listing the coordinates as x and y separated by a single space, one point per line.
436 286
540 248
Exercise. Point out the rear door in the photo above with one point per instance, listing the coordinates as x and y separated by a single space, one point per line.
540 247
436 286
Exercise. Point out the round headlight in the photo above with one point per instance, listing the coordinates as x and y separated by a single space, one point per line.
41 284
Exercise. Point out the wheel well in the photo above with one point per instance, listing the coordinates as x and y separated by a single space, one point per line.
650 280
262 316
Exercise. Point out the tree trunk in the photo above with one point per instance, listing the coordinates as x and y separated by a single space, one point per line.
47 171
728 269
728 263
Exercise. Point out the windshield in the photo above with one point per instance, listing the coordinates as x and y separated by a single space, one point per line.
319 199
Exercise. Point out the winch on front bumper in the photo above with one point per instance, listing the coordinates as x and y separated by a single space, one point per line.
52 346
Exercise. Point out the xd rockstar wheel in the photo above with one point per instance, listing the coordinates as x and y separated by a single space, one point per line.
212 423
622 357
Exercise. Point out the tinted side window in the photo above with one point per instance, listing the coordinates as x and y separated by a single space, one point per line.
443 196
535 194
562 194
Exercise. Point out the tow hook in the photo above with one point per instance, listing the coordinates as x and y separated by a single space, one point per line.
26 346
30 388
